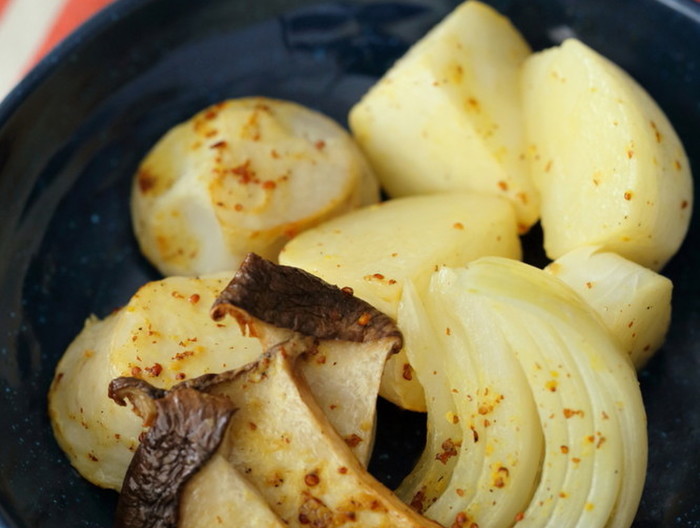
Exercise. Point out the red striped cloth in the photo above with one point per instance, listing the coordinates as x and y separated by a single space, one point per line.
30 28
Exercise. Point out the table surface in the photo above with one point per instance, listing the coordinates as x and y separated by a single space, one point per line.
31 28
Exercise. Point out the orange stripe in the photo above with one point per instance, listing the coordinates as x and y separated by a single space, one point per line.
3 5
74 13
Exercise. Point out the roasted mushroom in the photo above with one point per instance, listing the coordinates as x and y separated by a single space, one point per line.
280 439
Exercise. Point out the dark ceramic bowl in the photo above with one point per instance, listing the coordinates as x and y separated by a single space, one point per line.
73 132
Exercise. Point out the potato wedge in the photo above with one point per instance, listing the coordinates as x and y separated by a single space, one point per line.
634 302
447 116
375 250
609 167
243 175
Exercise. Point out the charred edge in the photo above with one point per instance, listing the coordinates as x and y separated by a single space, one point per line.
289 297
188 428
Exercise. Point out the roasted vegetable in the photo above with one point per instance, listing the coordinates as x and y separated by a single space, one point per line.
513 341
447 116
164 334
634 302
279 438
377 249
608 165
243 175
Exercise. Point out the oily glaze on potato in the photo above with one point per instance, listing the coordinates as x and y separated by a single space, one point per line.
447 116
243 176
609 166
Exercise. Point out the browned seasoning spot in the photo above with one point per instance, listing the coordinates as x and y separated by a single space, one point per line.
219 144
244 171
519 516
343 470
475 434
146 181
320 144
154 370
503 185
92 457
347 290
576 460
501 477
449 449
364 319
684 204
630 154
136 371
448 331
418 500
183 355
589 285
180 376
194 298
407 372
462 520
677 165
269 185
238 207
311 479
628 195
548 166
568 413
353 440
458 225
564 449
473 103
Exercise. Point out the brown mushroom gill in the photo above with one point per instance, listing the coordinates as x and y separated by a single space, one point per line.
186 428
280 439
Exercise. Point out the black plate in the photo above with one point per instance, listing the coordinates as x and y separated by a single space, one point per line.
73 132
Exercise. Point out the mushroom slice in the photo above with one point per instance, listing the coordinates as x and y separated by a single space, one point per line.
284 444
177 477
345 369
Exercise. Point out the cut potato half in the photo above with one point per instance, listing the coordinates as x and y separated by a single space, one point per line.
163 335
609 167
243 175
447 116
633 301
377 249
